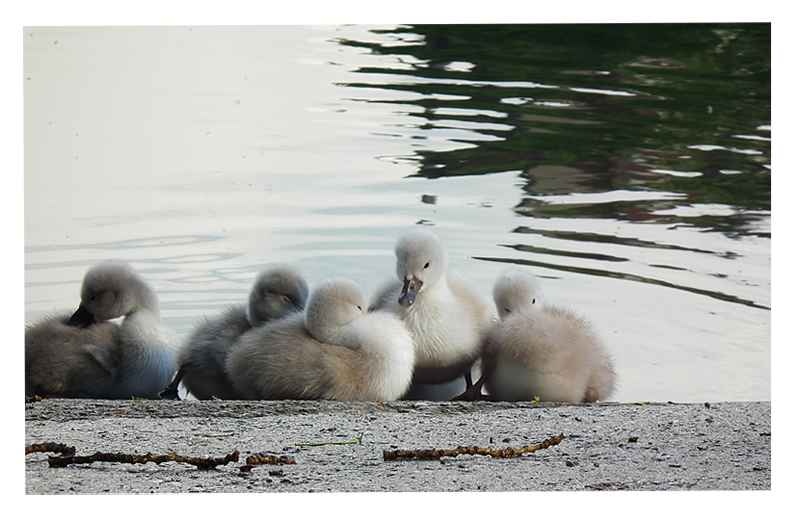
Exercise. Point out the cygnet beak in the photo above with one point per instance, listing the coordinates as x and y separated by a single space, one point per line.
82 318
408 295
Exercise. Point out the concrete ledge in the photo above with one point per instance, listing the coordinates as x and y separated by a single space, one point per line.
656 446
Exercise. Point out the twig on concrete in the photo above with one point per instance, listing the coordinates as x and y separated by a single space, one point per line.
495 453
49 446
266 459
200 463
68 458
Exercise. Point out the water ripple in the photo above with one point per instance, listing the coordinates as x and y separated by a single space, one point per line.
628 276
613 239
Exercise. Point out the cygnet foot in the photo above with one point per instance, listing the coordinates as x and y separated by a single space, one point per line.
170 392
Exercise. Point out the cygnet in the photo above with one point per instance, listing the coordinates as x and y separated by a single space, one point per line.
277 292
86 356
540 351
336 350
445 315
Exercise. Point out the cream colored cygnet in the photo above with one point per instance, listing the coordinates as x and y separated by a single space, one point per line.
536 350
277 292
336 350
443 312
86 356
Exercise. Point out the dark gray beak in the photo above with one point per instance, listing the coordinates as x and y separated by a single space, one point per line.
409 293
82 318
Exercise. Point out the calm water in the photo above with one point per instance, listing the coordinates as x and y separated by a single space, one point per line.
628 166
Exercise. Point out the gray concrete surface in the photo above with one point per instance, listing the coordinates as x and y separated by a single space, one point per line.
717 446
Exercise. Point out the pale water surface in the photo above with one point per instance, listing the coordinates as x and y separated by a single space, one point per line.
632 178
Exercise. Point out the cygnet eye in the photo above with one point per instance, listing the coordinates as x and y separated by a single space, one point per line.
533 301
427 265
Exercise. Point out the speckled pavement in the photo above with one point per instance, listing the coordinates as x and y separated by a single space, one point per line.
338 446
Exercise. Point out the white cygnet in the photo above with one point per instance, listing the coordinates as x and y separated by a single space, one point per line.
444 314
277 292
335 351
541 351
86 356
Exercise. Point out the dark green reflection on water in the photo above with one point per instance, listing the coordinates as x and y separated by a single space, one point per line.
683 109
628 276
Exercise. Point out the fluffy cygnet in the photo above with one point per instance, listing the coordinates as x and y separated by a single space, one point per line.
336 351
277 292
85 356
541 351
444 314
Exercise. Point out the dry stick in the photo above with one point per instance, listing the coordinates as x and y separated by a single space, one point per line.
49 446
266 459
200 463
495 453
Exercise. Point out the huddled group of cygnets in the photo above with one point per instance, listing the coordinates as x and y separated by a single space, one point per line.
427 326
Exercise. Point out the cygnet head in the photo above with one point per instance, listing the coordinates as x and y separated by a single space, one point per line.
421 262
516 291
332 304
277 292
112 289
